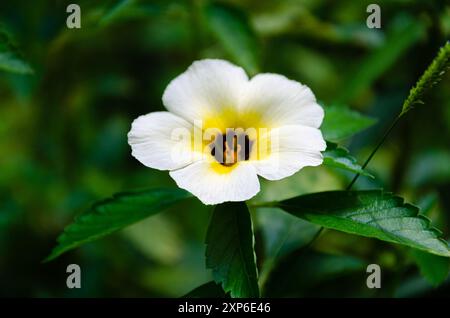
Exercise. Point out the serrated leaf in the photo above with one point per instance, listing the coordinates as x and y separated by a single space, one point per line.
113 214
433 267
207 290
229 251
371 213
341 122
10 59
339 157
232 29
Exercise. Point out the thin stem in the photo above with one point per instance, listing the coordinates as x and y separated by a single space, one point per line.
382 140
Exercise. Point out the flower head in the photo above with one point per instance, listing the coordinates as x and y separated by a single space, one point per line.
223 129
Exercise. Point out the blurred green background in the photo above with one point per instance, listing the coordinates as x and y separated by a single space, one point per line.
63 141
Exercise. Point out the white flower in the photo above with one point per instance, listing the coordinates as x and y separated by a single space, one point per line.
222 130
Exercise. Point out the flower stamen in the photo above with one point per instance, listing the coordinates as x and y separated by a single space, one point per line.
230 148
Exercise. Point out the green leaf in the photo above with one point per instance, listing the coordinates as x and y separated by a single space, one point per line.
405 32
113 214
232 29
432 76
10 58
371 213
229 251
341 122
433 267
339 157
207 290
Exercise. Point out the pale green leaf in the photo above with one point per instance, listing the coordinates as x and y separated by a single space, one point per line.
341 122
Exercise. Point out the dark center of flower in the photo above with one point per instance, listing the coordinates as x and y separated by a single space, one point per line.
231 148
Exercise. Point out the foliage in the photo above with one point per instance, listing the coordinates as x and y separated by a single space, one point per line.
113 214
68 97
10 58
341 122
229 251
371 213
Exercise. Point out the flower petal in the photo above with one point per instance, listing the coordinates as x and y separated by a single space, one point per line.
162 141
281 101
292 148
213 186
205 89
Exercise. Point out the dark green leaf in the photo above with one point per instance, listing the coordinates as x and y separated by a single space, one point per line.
371 213
207 290
233 31
229 251
341 122
113 214
339 157
433 267
10 58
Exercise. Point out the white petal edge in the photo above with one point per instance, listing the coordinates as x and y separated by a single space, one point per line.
161 140
205 89
281 101
199 178
293 148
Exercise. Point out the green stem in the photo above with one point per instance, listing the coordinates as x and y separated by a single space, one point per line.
382 140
